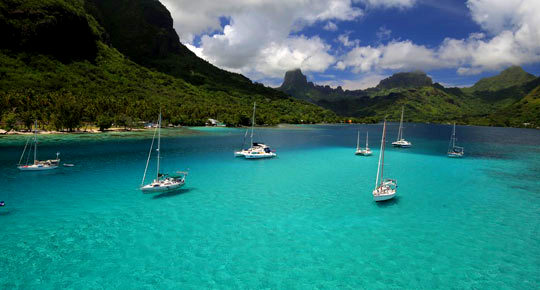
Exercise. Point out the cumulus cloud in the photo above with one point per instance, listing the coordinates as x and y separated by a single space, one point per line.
344 39
330 26
396 55
365 81
514 39
259 37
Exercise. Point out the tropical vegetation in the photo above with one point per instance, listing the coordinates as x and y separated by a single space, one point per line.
59 66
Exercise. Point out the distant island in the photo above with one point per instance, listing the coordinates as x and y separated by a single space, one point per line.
99 63
511 98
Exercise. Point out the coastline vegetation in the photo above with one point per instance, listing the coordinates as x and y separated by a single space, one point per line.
59 67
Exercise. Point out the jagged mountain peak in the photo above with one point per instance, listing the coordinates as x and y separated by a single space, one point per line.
406 80
294 79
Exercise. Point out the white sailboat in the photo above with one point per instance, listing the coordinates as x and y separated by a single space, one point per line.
37 165
400 142
162 182
366 151
386 189
257 150
453 150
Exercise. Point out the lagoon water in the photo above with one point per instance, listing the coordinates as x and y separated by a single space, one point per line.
304 220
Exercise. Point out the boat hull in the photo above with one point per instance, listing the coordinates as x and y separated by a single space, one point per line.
386 191
162 188
239 154
36 168
401 145
383 197
363 153
454 155
260 155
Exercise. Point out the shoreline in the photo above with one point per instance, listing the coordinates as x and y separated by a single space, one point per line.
95 131
87 131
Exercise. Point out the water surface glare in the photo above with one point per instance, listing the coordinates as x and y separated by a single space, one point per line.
303 220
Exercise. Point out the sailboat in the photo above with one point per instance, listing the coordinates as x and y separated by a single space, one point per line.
359 151
386 189
162 182
453 150
257 150
37 165
400 142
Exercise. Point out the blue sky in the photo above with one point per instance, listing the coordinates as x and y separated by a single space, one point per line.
355 43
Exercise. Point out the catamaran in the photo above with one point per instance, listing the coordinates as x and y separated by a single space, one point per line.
387 188
400 142
453 150
257 150
359 151
162 182
37 165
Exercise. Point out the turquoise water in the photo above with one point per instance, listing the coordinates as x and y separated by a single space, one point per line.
304 220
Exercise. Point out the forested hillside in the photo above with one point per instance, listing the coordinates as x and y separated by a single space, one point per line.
61 66
507 99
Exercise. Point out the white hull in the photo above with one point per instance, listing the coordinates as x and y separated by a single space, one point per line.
256 155
402 144
240 153
363 152
36 167
455 155
384 192
383 197
160 187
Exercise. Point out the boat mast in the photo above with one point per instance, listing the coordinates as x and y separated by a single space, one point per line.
24 151
253 123
454 136
148 159
383 147
244 141
367 136
381 157
400 132
158 144
35 141
358 141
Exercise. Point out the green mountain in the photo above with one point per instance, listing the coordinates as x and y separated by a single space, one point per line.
524 112
405 80
425 101
295 84
512 76
69 62
143 31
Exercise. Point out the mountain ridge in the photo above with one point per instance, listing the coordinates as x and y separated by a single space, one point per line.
426 101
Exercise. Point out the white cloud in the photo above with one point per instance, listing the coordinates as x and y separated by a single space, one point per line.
330 26
388 3
344 39
262 41
383 33
259 39
396 55
309 54
365 81
514 27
